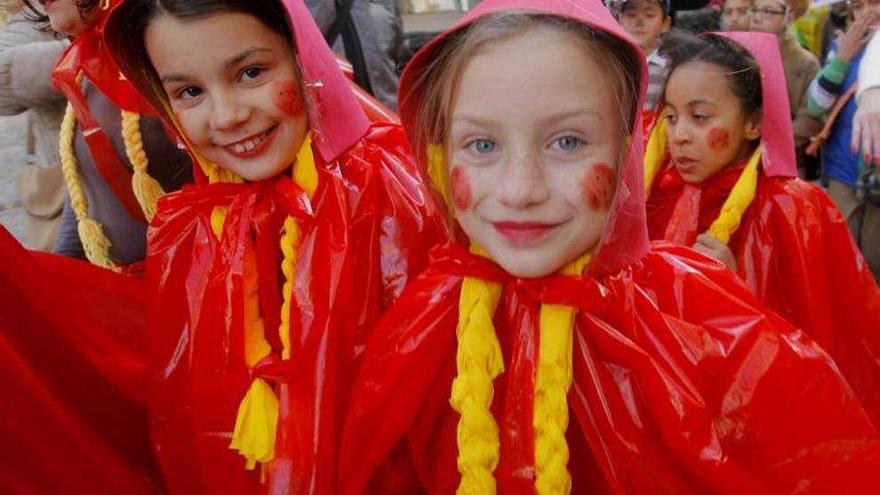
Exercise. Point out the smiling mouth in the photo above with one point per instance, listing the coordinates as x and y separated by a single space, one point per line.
524 233
252 146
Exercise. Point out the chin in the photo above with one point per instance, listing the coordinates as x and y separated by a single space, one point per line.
528 266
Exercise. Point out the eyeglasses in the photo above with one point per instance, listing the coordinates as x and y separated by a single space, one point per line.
766 12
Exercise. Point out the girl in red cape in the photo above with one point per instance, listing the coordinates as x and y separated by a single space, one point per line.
560 352
722 178
305 222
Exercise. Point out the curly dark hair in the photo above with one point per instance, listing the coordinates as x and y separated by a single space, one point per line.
36 15
743 73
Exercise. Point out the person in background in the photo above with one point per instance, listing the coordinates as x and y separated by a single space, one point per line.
646 21
27 55
830 98
866 125
379 31
735 15
801 66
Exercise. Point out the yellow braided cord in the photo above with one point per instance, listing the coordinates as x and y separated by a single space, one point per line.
257 421
554 377
654 153
146 189
94 241
741 196
479 362
437 171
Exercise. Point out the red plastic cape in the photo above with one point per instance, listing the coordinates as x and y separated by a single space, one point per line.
683 384
72 418
793 247
364 233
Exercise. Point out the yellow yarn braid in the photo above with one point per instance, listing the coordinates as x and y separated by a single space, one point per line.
256 423
553 381
94 241
741 196
479 362
736 204
146 189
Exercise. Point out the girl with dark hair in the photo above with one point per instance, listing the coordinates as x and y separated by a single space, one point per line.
305 222
553 349
721 176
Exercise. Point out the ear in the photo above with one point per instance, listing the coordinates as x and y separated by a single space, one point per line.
753 127
667 23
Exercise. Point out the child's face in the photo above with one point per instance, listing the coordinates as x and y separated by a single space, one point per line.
770 16
707 127
533 150
233 86
735 15
645 21
65 18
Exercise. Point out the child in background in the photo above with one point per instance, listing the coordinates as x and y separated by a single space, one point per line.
553 350
646 21
721 175
735 15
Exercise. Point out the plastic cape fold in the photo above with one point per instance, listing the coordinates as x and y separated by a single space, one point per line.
682 384
365 232
73 418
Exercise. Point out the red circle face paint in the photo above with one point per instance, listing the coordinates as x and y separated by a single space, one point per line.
287 99
718 139
461 188
599 187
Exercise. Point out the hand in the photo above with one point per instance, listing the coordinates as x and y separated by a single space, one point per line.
855 37
709 245
866 126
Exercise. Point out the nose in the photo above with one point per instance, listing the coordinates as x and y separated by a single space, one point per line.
679 133
227 112
523 182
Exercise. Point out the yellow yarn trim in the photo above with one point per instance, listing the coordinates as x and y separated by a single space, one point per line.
741 196
94 241
736 204
479 362
256 424
437 171
146 189
553 381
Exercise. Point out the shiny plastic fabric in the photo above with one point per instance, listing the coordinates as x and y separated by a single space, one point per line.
683 384
73 418
793 247
364 233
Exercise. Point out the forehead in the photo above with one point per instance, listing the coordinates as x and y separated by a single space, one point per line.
698 81
532 75
779 4
643 6
737 3
171 42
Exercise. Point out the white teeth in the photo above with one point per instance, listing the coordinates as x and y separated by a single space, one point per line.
238 148
249 145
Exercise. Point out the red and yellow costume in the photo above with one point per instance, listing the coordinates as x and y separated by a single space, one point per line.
791 244
635 370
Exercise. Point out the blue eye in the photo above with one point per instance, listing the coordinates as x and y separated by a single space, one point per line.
482 146
569 143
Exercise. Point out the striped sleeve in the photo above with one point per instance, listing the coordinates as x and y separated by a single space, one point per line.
826 87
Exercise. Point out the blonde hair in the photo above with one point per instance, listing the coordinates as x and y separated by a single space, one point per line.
478 356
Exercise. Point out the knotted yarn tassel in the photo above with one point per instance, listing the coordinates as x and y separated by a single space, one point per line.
553 381
479 361
741 196
146 189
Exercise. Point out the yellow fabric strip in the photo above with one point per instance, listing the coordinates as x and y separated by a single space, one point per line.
654 153
553 381
741 196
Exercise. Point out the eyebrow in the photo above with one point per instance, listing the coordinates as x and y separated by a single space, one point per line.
470 119
230 62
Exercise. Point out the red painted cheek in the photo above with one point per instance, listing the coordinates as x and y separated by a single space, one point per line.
287 98
461 188
599 187
718 139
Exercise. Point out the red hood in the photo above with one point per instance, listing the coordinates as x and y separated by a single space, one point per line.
336 118
625 239
777 137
